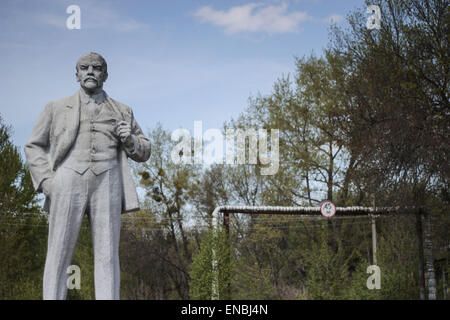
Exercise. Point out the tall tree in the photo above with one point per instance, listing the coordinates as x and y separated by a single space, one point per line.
168 188
17 194
397 101
22 227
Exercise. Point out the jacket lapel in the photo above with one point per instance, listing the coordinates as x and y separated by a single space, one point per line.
72 121
73 115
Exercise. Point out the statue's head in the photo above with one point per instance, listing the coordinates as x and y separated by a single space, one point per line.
91 71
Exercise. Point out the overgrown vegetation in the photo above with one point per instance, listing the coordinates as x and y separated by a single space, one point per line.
367 120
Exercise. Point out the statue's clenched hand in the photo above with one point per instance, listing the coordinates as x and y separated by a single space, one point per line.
123 130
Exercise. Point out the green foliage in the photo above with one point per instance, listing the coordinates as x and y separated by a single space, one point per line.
253 282
21 244
22 256
328 274
398 259
17 194
203 274
266 260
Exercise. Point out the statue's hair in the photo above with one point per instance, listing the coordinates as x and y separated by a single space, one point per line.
95 54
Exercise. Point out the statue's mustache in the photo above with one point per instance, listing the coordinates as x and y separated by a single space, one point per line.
90 78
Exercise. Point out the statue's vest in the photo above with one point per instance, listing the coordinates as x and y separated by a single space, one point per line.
96 144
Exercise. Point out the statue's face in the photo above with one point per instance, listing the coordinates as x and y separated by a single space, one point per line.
91 73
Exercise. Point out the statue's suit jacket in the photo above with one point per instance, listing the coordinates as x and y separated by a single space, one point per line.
55 133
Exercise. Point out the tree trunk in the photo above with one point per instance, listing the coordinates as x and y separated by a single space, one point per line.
332 228
419 234
347 178
431 278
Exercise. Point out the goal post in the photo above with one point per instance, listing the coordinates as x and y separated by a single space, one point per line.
226 210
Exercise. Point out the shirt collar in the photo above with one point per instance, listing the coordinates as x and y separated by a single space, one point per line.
97 98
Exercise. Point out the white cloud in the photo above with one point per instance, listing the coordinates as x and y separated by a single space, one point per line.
254 17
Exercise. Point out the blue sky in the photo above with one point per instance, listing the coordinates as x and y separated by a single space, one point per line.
173 62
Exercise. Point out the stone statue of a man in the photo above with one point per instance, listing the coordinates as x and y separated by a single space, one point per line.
77 155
